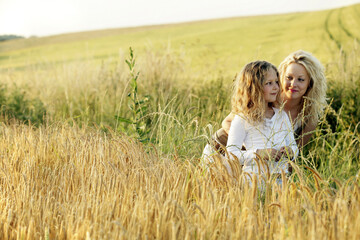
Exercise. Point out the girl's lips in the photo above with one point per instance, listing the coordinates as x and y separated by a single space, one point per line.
292 90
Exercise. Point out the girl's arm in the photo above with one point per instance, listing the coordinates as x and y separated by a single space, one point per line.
236 139
265 154
270 154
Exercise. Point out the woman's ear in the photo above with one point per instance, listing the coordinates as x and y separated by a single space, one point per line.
311 84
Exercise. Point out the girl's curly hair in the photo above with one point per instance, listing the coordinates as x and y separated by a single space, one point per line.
248 91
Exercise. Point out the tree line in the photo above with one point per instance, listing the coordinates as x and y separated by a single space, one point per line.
9 37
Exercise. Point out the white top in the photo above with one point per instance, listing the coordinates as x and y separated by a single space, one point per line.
274 133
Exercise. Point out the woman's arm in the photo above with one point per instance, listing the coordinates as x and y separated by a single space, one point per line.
291 149
226 123
305 135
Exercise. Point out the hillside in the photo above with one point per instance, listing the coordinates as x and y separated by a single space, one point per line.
215 45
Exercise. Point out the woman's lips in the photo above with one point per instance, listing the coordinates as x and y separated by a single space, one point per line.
292 90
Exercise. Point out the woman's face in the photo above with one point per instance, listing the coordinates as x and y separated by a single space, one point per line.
296 82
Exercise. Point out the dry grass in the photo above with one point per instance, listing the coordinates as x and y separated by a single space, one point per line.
62 182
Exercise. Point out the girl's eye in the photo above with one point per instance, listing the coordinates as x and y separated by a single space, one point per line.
268 83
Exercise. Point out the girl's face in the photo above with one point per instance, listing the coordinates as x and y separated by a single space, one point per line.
296 81
271 86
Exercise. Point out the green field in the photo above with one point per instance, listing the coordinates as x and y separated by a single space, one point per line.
88 152
215 45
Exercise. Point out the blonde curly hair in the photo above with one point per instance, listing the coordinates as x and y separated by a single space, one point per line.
248 91
314 100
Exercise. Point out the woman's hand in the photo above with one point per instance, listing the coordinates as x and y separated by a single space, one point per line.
226 123
287 152
269 154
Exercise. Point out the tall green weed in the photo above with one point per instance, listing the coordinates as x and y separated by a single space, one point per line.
138 122
16 105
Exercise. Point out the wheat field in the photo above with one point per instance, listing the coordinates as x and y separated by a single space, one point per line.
63 182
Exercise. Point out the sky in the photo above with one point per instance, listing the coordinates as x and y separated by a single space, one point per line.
50 17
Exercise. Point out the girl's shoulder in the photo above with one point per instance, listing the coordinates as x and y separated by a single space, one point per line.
279 111
281 114
241 119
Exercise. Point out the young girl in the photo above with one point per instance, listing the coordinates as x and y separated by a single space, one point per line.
303 92
259 126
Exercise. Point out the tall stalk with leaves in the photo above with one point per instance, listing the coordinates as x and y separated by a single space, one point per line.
138 124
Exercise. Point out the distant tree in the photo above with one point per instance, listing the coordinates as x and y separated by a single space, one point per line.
9 37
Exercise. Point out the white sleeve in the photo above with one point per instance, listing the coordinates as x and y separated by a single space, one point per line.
237 134
290 140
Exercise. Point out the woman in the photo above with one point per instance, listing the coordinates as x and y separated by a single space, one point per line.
303 93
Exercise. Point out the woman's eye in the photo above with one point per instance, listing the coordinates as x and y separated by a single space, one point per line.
288 78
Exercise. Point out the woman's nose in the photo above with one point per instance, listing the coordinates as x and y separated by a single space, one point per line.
292 83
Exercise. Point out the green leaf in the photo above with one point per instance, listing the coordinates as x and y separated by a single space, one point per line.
131 53
137 75
121 119
129 64
143 110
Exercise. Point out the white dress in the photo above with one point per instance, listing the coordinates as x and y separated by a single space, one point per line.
273 133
